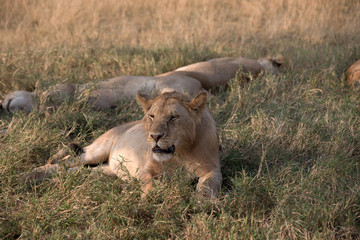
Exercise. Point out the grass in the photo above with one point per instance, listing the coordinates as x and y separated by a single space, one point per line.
289 143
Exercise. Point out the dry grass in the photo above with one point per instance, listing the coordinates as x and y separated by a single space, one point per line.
36 23
290 143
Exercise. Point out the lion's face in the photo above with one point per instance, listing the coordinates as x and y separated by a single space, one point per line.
170 122
271 65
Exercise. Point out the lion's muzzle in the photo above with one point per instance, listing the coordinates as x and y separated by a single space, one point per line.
162 154
169 150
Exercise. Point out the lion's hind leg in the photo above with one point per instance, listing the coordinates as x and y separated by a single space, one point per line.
71 158
40 173
64 154
74 155
104 169
57 163
54 165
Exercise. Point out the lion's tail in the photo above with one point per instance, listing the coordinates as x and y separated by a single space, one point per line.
71 149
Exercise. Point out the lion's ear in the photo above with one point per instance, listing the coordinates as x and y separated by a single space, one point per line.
144 101
198 104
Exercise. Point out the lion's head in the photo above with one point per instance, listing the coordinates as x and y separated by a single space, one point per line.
170 122
271 64
353 75
18 101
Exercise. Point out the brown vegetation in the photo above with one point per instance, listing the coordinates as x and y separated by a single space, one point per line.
40 23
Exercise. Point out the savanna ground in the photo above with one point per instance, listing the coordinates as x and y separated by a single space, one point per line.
290 144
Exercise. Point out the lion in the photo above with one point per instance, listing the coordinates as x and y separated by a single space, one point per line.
189 79
219 71
176 132
102 94
353 75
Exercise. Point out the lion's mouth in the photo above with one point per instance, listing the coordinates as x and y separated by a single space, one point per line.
158 149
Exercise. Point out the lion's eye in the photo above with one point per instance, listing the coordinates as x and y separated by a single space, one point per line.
151 116
172 118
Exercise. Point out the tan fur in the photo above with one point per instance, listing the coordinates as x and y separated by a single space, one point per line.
353 75
189 79
18 101
176 132
219 71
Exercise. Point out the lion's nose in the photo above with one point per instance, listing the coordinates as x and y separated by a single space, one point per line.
156 137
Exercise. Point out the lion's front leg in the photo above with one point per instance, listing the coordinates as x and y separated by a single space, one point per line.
151 170
209 184
146 183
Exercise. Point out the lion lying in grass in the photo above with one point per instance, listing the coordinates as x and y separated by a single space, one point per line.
176 132
189 79
353 75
